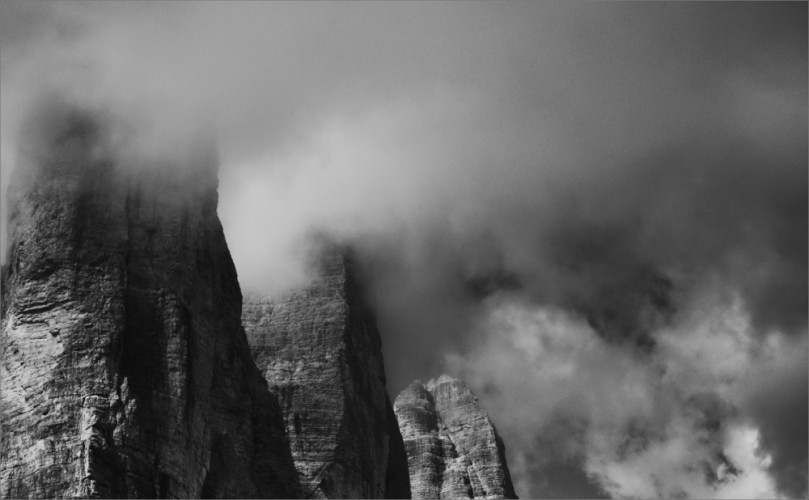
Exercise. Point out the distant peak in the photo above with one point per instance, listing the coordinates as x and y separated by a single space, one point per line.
453 449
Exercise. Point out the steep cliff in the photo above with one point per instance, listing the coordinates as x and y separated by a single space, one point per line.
453 449
320 351
125 372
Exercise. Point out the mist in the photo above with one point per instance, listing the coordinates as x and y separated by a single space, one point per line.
596 214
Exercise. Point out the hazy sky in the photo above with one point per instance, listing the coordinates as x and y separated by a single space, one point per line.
594 213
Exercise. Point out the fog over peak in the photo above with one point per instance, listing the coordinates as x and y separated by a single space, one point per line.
594 213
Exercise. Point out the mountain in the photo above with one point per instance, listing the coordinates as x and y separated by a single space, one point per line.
320 351
125 372
453 449
133 367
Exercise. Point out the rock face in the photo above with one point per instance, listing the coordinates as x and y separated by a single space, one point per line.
453 449
125 372
320 351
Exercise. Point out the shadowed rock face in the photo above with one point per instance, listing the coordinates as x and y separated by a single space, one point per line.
453 449
124 369
320 351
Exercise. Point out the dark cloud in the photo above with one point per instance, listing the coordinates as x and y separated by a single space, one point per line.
549 198
555 466
689 214
780 406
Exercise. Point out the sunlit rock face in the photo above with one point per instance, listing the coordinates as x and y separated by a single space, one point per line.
320 351
453 449
125 372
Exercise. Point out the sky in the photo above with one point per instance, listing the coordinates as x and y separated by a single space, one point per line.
593 213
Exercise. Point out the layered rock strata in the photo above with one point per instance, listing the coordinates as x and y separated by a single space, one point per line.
125 372
453 449
320 351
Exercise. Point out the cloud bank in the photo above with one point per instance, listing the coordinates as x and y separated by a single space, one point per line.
595 213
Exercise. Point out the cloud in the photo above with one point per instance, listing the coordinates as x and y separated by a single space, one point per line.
776 399
675 423
585 174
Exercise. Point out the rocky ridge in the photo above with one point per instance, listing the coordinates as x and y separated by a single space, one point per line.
453 449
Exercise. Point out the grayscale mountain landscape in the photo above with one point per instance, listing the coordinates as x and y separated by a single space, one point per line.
396 249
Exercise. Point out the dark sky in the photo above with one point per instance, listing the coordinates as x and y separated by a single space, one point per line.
594 213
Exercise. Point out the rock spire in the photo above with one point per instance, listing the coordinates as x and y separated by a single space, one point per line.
453 449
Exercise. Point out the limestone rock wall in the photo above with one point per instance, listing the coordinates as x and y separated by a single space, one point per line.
453 449
320 351
124 369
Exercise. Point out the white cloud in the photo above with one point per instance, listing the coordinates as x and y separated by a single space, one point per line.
660 425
